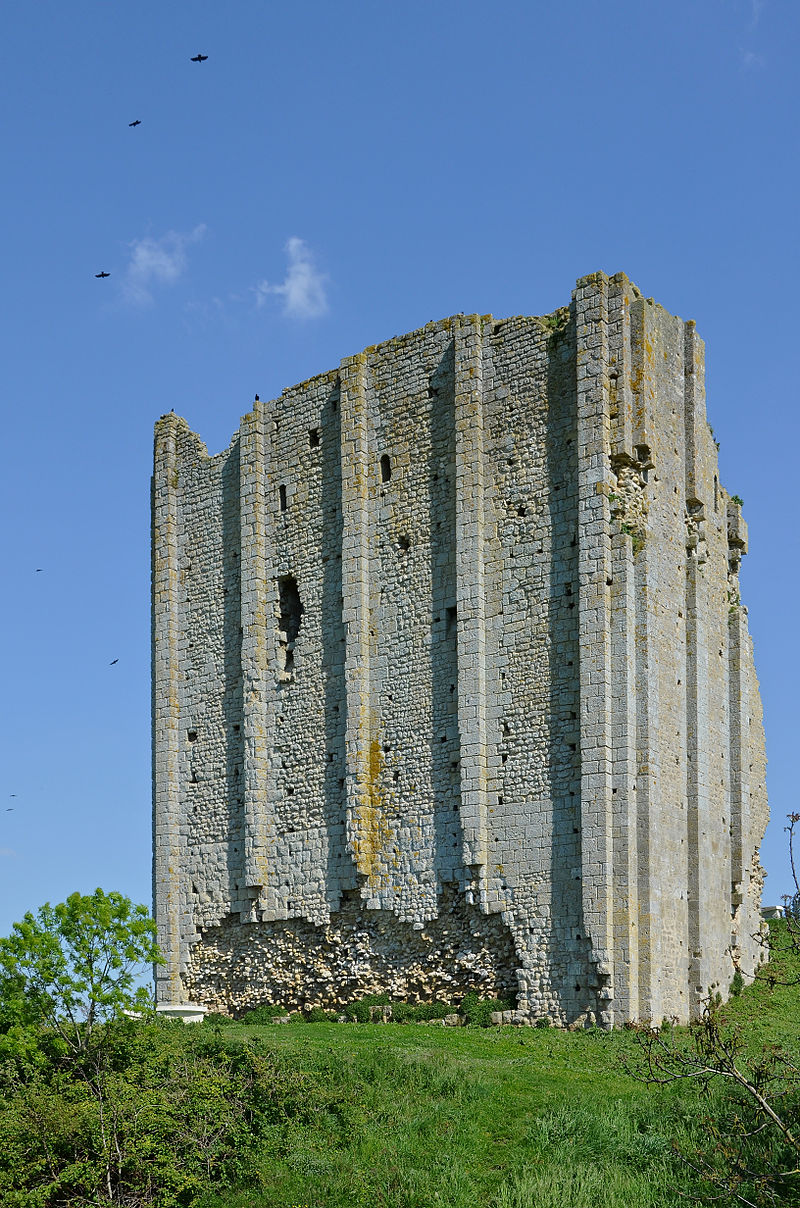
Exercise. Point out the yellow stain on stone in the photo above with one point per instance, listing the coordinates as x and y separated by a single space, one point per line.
373 832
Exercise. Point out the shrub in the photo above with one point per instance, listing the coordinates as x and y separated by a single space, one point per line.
478 1011
182 1109
263 1015
215 1020
357 1012
320 1015
423 1012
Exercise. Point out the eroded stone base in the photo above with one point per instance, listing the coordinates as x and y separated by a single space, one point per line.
237 966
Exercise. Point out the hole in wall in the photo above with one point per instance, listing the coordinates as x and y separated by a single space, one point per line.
404 542
313 438
291 615
191 735
386 467
282 497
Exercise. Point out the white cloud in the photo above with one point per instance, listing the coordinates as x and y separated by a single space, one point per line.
751 61
7 851
756 9
303 289
157 262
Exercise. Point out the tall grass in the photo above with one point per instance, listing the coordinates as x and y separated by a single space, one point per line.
506 1119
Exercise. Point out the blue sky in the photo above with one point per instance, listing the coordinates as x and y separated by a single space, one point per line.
333 175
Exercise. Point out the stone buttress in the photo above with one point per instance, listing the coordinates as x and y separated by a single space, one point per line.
452 683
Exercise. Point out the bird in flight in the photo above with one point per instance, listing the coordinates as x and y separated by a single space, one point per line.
12 794
113 661
136 123
198 59
9 809
102 274
38 570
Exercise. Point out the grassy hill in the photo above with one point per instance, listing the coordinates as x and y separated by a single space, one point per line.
508 1117
327 1115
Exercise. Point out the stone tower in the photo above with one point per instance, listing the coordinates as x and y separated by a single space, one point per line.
452 684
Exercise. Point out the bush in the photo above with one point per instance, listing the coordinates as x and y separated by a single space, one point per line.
320 1015
357 1012
263 1015
423 1012
215 1020
478 1011
182 1110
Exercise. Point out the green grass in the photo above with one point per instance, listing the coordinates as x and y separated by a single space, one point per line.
416 1116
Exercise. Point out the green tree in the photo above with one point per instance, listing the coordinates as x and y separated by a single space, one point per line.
73 966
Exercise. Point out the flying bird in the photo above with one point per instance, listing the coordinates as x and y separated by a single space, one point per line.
113 661
12 794
38 570
136 123
9 809
102 274
198 59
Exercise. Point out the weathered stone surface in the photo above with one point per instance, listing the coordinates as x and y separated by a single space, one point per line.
452 683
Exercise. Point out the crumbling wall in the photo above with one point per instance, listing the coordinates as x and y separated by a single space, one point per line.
452 679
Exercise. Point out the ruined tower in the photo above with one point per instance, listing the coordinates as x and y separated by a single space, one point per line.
452 684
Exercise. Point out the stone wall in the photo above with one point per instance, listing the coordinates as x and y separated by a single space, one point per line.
452 684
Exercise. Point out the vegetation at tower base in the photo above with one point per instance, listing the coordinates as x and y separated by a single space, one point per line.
156 1112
